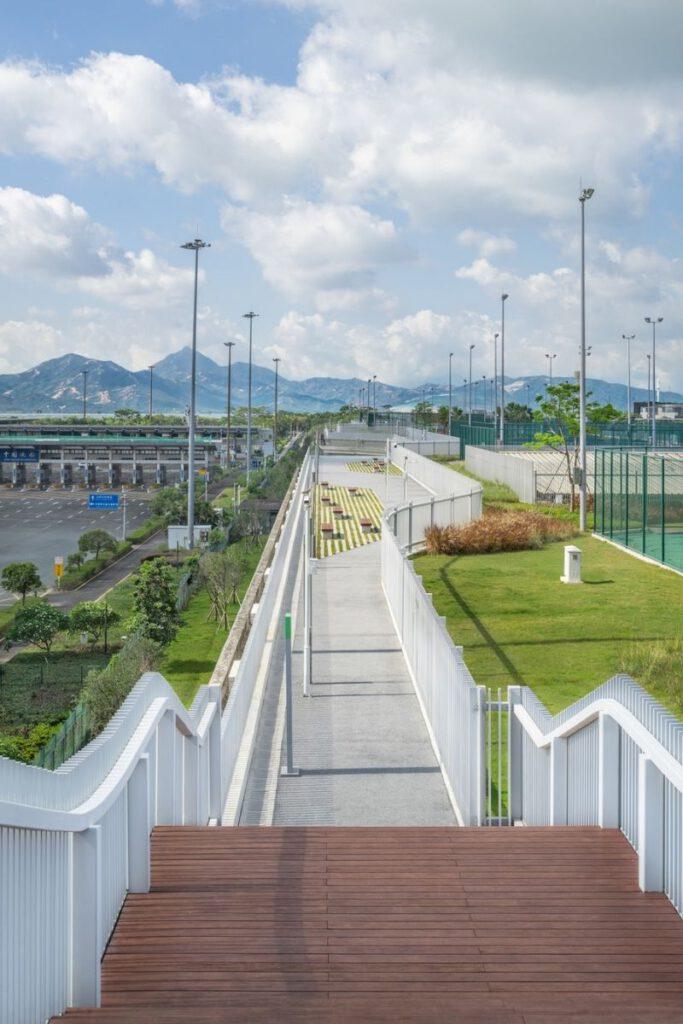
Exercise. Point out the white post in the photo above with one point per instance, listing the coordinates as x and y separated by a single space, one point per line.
123 534
515 751
558 781
86 888
608 772
215 802
191 781
139 827
478 765
165 774
650 826
307 599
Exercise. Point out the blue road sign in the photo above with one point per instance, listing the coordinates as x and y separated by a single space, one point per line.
103 501
19 454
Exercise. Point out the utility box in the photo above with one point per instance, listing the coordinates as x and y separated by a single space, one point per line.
572 564
178 536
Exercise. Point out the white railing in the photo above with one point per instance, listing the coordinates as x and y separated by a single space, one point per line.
75 841
518 474
452 705
613 759
242 691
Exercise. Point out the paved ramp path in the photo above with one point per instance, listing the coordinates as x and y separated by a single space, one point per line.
360 739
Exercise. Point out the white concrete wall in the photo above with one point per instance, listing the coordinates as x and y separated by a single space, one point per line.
518 474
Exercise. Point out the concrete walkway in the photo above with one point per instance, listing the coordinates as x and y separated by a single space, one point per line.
360 739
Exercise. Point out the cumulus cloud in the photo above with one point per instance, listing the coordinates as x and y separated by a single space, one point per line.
34 339
324 251
484 243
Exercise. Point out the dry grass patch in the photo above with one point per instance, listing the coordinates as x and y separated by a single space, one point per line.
498 530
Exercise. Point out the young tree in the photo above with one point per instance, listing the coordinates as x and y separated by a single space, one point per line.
38 624
515 412
94 541
74 560
222 572
21 578
93 619
154 602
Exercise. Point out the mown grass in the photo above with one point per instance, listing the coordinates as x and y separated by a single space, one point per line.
519 624
27 698
191 656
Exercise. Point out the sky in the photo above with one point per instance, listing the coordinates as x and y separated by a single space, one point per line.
371 176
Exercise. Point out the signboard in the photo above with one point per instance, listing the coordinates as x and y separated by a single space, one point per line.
59 565
19 454
103 501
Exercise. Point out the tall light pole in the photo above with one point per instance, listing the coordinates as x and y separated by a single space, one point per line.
495 384
229 345
469 400
151 402
486 404
649 371
654 320
628 338
550 359
250 317
450 392
586 193
85 394
276 360
374 398
503 299
194 246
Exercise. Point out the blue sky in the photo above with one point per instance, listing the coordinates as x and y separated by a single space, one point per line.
370 176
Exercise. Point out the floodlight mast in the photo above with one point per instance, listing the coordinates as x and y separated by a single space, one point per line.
250 317
654 320
193 246
504 297
586 194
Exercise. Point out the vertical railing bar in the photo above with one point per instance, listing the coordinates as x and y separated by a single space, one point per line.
500 757
489 757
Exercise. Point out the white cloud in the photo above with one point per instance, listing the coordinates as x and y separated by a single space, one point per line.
34 339
484 243
140 281
324 251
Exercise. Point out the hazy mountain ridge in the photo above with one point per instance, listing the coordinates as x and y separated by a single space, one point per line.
56 386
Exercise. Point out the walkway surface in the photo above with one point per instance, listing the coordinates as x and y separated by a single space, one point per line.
457 925
360 740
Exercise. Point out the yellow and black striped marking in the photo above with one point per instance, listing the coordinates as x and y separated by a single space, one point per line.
373 466
347 531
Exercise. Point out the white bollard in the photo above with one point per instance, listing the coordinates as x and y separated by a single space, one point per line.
572 564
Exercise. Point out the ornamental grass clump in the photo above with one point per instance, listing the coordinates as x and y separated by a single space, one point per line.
498 530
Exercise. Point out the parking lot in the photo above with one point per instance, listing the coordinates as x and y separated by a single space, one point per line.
35 527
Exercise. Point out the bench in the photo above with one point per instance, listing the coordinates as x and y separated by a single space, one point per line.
338 512
367 525
327 530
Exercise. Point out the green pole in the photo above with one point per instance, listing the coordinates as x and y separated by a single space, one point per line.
611 493
663 509
644 501
602 517
626 500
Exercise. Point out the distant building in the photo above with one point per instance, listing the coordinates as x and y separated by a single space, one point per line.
665 410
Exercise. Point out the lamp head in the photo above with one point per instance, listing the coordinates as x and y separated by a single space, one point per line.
504 296
586 193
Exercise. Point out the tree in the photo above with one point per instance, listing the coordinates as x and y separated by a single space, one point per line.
38 624
222 572
154 602
515 412
94 620
94 541
74 560
20 578
171 503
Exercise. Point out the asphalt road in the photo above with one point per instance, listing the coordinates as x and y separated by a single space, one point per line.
36 526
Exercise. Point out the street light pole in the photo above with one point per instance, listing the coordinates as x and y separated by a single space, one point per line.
654 320
374 399
230 346
85 395
503 299
550 359
151 404
450 392
649 371
250 317
586 193
469 400
495 385
194 246
628 338
276 360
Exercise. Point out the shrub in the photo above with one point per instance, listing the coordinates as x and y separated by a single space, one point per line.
154 601
105 690
20 578
498 530
38 624
24 746
657 665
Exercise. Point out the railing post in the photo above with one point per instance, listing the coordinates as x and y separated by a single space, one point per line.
86 911
410 526
139 827
191 781
478 756
558 781
608 772
515 753
165 768
431 511
215 801
650 826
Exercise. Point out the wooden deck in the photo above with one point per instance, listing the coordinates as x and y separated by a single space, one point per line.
466 926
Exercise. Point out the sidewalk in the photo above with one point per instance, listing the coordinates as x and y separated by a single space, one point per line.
359 739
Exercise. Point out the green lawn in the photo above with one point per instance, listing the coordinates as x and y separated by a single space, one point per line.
191 656
519 624
27 698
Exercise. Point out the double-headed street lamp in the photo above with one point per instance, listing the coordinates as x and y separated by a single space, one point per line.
85 394
250 317
276 360
550 359
150 403
194 246
654 320
469 401
628 338
230 346
450 391
586 194
495 384
503 300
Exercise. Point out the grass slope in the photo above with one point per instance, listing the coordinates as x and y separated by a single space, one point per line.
519 624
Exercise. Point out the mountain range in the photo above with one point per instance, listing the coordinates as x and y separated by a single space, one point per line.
56 387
